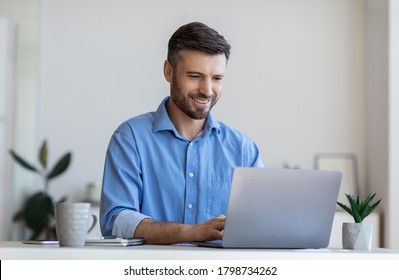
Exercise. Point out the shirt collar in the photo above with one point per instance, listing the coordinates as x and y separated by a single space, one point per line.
163 122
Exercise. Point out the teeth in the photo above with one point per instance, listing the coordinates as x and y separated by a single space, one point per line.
201 100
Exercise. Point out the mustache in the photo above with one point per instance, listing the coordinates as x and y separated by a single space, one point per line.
202 96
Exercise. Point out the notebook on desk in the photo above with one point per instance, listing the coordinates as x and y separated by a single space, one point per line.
280 208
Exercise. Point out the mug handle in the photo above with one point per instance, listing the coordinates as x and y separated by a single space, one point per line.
94 223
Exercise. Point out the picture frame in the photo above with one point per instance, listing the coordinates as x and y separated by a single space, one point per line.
345 163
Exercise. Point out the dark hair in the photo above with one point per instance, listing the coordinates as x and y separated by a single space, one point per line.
196 36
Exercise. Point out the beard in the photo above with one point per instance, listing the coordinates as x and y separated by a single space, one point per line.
183 102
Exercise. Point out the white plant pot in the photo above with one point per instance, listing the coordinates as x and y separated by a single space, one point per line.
357 236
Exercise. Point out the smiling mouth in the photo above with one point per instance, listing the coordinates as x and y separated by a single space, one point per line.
201 101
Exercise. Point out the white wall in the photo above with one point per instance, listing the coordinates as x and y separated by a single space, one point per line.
382 114
24 16
377 105
7 67
393 230
295 81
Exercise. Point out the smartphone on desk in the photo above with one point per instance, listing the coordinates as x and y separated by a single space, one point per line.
41 242
103 241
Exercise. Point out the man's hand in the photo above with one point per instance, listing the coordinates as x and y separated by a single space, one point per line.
209 230
171 233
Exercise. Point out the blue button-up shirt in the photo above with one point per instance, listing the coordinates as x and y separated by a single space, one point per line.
151 171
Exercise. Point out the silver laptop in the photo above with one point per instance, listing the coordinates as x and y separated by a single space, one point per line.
280 208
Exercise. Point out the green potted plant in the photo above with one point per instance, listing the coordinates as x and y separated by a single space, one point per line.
358 235
37 211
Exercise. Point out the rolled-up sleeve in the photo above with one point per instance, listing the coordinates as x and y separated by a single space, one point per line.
122 187
126 222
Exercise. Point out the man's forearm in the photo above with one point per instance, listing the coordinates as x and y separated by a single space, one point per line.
162 232
171 233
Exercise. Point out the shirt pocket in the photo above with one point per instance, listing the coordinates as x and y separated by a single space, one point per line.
218 191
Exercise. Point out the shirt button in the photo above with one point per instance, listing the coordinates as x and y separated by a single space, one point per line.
191 174
190 206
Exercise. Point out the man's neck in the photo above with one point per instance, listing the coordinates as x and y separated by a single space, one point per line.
186 126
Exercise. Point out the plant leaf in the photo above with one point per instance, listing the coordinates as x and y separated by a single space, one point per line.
43 154
371 208
359 209
60 167
18 216
346 208
355 210
63 199
22 162
36 233
364 205
37 211
350 198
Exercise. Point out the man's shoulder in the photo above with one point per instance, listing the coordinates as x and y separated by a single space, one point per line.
137 122
233 133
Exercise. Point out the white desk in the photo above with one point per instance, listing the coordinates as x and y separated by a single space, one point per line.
336 231
14 250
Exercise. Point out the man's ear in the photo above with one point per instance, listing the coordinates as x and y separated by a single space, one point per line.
168 71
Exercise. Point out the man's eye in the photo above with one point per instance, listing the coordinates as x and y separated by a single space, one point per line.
194 76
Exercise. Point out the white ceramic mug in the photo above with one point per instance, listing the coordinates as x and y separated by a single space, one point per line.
72 223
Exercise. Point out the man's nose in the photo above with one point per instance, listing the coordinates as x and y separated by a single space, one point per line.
206 87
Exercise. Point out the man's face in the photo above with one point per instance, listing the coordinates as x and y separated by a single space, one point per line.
196 82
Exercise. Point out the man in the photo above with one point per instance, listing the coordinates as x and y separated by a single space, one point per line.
167 173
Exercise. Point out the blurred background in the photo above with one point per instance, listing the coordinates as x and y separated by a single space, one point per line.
305 77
